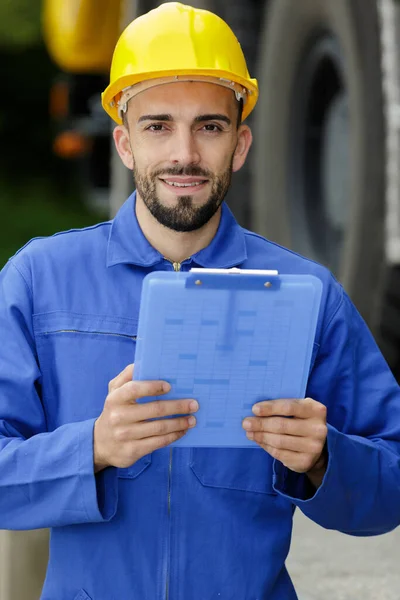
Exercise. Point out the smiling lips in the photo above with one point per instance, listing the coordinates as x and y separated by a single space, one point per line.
184 182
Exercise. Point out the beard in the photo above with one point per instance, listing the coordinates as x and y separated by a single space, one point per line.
185 216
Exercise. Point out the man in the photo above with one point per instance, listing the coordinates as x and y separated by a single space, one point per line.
131 517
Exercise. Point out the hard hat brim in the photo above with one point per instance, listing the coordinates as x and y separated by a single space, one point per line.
113 92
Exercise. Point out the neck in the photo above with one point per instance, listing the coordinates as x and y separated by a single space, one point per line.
176 246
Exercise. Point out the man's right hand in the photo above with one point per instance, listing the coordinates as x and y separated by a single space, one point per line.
123 432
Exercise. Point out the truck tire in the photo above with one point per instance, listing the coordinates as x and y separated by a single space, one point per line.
245 19
319 168
388 319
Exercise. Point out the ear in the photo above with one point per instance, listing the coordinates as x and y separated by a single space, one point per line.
123 145
244 142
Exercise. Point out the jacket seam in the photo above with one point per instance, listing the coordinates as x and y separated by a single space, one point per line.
267 241
235 488
24 280
334 312
78 314
73 230
82 475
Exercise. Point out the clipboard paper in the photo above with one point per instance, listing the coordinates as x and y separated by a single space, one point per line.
228 338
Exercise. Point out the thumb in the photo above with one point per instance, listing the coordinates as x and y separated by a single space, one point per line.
122 378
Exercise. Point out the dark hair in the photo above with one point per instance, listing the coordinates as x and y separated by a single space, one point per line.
240 113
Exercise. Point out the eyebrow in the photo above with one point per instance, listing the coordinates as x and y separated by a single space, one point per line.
199 119
213 117
163 117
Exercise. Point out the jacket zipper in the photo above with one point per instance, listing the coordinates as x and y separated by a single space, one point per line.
124 335
169 526
176 267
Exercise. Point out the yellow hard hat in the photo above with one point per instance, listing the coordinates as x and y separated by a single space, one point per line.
175 42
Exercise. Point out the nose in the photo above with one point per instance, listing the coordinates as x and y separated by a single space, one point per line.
184 148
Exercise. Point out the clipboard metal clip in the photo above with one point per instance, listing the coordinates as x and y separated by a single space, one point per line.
255 279
236 270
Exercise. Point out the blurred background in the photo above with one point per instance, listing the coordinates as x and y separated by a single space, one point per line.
322 178
40 192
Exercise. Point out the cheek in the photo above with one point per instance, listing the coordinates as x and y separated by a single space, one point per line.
143 152
150 147
217 154
144 163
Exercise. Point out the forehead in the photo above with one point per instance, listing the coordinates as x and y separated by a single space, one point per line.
184 98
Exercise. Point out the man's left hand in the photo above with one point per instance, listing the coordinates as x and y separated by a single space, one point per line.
297 442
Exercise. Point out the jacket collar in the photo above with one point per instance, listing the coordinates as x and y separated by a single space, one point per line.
127 244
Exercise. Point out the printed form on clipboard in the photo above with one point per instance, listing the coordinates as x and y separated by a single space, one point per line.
228 338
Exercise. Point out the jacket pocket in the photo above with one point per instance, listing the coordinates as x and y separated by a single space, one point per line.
82 595
242 469
78 355
136 469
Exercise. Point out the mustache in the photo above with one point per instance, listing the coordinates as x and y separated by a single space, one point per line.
188 171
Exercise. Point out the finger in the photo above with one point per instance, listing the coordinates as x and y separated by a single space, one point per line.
281 425
133 390
303 408
161 427
123 377
148 445
295 461
288 442
164 408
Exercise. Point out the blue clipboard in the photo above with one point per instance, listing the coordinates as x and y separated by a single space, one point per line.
228 338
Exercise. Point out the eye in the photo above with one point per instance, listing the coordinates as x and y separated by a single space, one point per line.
155 127
211 127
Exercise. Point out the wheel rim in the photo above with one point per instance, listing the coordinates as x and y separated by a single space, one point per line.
319 169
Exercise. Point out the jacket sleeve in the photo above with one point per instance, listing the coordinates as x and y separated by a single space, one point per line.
46 478
360 493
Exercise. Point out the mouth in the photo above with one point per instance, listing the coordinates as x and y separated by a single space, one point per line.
184 184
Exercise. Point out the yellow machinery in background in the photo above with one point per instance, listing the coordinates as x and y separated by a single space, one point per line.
81 34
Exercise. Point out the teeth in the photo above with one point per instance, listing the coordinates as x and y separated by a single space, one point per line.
182 185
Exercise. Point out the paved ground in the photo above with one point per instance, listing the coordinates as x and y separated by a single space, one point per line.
327 565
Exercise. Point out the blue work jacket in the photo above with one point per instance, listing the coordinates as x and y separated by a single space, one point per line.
181 523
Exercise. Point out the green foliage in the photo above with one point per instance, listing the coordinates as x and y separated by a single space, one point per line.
20 23
33 208
39 195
